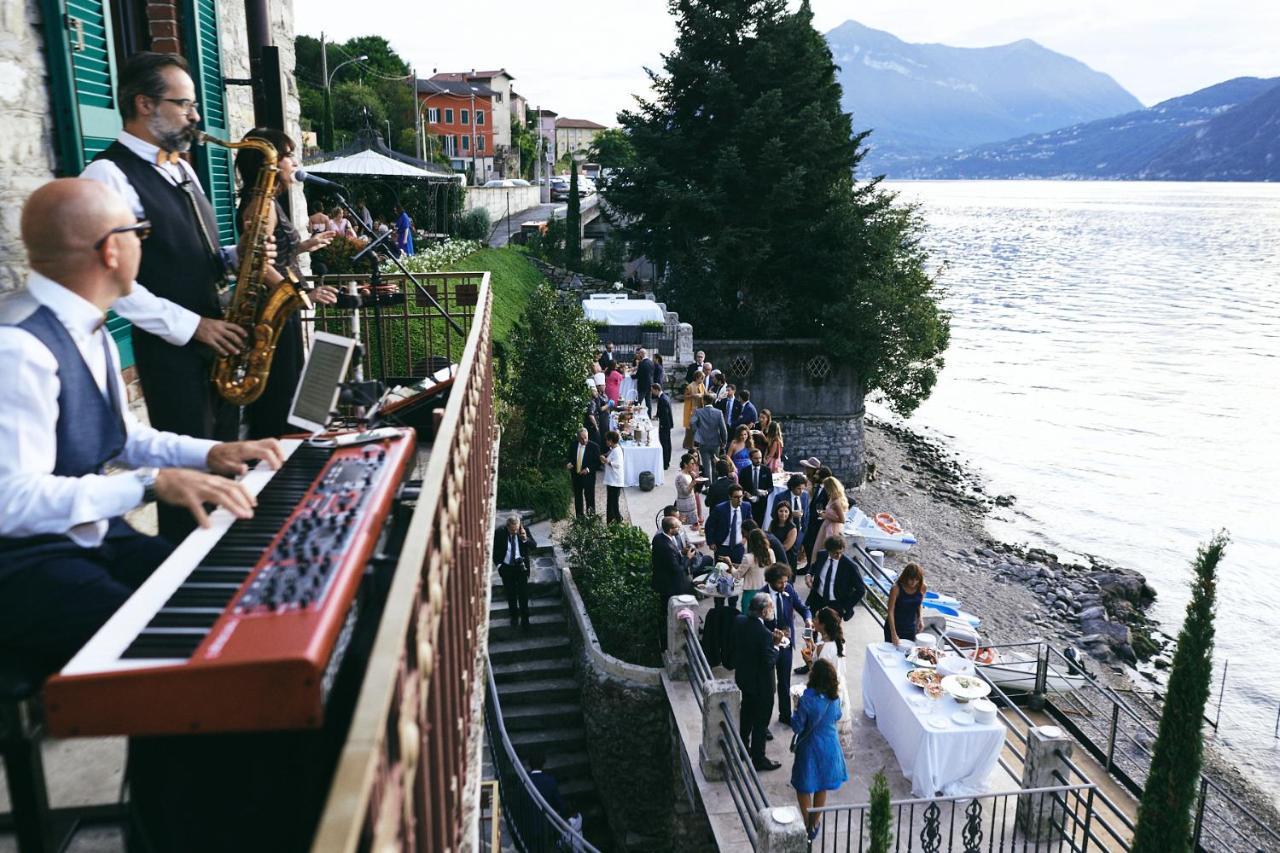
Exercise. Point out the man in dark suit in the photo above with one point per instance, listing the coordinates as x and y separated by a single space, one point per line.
709 434
666 422
697 562
606 358
724 526
669 568
786 604
583 461
695 369
718 491
644 379
837 583
757 484
729 407
747 413
755 652
817 503
512 545
544 782
798 498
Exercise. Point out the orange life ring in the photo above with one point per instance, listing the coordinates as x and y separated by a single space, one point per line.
888 523
985 655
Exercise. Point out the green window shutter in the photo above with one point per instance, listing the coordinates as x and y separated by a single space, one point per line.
82 79
213 162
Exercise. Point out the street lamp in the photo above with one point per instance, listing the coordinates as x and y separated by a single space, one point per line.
328 98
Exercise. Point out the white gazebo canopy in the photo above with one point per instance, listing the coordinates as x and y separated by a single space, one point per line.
370 163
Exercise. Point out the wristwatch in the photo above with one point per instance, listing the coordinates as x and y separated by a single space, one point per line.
147 479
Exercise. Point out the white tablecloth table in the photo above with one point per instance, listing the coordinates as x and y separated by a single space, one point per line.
955 760
627 390
636 459
622 312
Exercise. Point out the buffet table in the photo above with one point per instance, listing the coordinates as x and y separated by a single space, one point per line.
636 458
616 311
955 759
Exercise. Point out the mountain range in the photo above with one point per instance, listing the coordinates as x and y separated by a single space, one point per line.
1022 111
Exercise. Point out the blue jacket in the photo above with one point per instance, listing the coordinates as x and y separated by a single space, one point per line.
718 522
791 605
745 414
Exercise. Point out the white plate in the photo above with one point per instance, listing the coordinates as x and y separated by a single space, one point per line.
936 722
918 702
961 718
885 647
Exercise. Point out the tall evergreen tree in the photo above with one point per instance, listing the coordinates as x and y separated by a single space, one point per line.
1168 799
743 190
573 222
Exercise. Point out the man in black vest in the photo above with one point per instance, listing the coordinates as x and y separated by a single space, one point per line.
178 330
68 559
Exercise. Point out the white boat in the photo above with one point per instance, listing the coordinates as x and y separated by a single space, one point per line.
1016 672
882 533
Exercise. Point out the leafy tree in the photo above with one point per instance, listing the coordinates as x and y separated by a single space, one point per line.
354 103
880 819
554 346
1168 799
612 149
382 75
743 191
573 222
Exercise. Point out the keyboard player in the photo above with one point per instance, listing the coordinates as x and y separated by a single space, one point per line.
68 560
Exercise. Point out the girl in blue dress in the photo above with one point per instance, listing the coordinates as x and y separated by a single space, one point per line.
819 763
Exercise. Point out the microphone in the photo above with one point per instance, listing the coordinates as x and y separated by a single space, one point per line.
317 181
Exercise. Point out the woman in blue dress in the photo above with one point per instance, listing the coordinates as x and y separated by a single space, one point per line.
819 763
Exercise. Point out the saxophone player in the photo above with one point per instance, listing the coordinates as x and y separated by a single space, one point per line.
178 327
268 415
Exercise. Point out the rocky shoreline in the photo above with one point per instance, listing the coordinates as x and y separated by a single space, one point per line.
1024 593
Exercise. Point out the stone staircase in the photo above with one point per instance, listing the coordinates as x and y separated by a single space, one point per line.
541 697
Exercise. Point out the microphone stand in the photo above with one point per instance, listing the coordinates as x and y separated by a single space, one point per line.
375 280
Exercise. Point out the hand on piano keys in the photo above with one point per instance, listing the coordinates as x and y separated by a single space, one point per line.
194 489
229 458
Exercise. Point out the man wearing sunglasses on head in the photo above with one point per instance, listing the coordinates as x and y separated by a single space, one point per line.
68 559
176 313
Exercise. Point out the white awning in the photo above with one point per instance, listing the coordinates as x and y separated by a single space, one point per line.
370 163
622 312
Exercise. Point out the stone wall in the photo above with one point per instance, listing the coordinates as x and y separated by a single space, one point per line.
494 200
26 144
630 743
818 400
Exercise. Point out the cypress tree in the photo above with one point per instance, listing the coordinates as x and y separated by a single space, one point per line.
1168 799
743 191
880 818
573 222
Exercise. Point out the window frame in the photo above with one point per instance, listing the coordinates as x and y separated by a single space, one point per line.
464 117
448 115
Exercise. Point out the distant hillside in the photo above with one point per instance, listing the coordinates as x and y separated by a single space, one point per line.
1230 131
925 100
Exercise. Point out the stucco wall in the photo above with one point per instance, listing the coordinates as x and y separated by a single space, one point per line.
494 200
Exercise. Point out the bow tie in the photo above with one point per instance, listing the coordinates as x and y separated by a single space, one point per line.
163 157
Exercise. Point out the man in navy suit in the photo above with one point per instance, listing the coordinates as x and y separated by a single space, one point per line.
644 379
729 407
724 526
747 413
797 496
786 604
755 652
757 484
666 423
836 581
545 782
817 503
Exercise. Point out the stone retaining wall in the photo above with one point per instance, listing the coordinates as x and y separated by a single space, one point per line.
630 744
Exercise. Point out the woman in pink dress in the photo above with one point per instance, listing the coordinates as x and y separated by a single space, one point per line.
773 446
613 382
833 517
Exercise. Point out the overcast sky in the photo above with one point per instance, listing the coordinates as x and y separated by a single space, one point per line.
585 58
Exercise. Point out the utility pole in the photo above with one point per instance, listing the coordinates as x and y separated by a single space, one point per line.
475 175
326 132
417 114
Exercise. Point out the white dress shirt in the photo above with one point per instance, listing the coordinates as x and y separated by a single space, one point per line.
614 473
166 320
32 500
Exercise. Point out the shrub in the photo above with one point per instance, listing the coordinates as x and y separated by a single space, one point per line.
546 492
474 225
336 257
610 563
880 820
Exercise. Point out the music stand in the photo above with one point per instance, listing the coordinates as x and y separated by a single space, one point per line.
316 397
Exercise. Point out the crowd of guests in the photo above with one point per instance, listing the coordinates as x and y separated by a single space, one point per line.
334 220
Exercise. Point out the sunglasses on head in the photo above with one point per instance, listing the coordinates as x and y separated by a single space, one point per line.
142 227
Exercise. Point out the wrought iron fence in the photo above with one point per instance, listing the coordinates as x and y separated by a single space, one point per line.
699 670
405 777
535 827
404 335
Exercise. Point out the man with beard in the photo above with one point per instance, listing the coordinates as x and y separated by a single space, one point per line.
175 308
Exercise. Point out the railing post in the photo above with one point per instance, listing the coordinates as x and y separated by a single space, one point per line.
1204 794
1111 736
780 829
1042 668
674 660
1048 749
716 693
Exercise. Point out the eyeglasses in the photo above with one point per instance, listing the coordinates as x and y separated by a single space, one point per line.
185 104
142 228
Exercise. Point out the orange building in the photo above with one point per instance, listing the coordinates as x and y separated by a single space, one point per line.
458 114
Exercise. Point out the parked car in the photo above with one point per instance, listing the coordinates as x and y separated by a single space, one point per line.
500 184
520 182
559 188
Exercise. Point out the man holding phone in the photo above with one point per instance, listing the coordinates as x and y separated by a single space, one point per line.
786 604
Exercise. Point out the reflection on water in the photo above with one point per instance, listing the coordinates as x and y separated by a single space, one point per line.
1115 363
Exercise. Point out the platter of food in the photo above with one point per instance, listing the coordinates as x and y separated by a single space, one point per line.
923 657
965 687
923 677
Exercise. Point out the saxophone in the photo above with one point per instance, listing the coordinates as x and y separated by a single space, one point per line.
257 307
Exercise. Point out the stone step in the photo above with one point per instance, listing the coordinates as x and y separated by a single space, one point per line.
567 765
522 718
518 649
499 607
557 667
536 590
541 624
539 692
551 741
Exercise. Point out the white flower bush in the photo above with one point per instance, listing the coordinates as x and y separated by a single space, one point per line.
437 257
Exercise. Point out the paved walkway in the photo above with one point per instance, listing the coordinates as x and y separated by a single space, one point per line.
507 227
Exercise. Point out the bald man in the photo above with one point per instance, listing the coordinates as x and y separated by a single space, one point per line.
68 559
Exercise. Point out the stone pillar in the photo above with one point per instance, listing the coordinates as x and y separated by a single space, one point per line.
780 829
684 344
1048 747
714 693
680 609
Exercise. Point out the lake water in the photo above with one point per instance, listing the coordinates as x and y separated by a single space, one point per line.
1115 364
